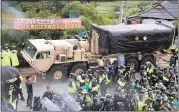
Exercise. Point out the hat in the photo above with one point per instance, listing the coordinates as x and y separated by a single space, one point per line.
48 87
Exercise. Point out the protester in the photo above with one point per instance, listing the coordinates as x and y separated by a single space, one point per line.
30 80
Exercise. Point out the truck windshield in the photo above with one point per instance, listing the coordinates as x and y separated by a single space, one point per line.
30 49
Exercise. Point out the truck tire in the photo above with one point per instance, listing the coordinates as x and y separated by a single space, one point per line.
57 73
77 67
134 63
147 58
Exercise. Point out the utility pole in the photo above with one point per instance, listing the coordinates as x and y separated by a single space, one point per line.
125 21
121 11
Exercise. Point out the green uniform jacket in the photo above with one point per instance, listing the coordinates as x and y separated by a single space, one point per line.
14 58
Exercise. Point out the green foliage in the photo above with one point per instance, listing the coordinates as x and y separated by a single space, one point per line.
132 11
73 32
86 23
14 37
73 6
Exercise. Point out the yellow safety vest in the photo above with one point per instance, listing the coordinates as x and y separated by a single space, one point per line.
140 105
107 80
165 78
80 79
101 78
73 88
3 63
121 83
13 103
14 58
95 88
89 99
6 58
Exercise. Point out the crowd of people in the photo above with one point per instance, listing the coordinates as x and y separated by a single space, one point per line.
9 56
153 88
156 89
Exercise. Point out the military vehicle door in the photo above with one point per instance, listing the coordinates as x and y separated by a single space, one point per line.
43 60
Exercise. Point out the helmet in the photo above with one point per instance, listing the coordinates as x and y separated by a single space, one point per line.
116 95
89 71
143 67
81 72
159 98
115 62
123 67
165 70
148 64
48 87
84 76
95 99
6 45
108 96
108 100
101 72
72 75
13 47
106 69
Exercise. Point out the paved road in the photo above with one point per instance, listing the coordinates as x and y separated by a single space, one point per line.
40 85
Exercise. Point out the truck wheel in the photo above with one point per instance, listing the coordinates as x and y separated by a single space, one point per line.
134 65
57 73
147 59
77 68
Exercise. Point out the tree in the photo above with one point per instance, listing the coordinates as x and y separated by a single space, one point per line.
76 7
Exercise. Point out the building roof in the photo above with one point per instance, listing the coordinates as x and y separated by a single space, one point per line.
166 10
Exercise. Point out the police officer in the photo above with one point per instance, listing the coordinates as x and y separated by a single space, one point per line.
13 93
128 73
121 72
104 81
86 106
140 102
6 55
96 106
49 93
108 104
79 80
88 97
158 103
18 82
94 87
71 84
13 56
174 57
150 68
121 83
2 57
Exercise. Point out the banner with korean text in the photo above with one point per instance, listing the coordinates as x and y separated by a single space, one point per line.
32 23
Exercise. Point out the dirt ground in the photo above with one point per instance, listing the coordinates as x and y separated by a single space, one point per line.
61 87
